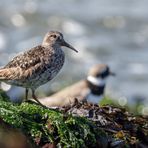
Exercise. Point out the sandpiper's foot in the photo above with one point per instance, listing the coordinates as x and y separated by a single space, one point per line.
34 102
30 101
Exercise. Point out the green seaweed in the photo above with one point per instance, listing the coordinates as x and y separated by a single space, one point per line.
50 126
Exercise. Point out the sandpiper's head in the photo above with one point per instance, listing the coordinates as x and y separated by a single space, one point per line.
98 74
55 37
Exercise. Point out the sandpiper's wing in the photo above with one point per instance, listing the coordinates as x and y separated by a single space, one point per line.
27 59
23 65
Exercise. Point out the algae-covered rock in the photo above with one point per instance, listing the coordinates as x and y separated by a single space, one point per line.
81 125
45 126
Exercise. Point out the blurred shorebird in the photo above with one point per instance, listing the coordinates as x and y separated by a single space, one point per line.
90 89
38 65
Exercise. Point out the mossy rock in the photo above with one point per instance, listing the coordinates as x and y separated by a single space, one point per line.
102 126
42 125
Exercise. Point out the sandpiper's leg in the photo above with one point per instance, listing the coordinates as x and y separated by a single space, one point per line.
35 98
26 97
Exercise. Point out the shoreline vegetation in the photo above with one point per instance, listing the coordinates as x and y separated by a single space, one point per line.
80 125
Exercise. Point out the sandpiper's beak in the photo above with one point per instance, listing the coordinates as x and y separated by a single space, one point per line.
112 73
69 46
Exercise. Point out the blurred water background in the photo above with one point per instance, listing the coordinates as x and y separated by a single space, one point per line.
114 32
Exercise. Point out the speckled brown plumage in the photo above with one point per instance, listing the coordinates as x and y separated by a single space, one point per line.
38 65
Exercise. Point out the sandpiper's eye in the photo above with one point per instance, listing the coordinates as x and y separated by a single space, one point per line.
60 38
53 36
